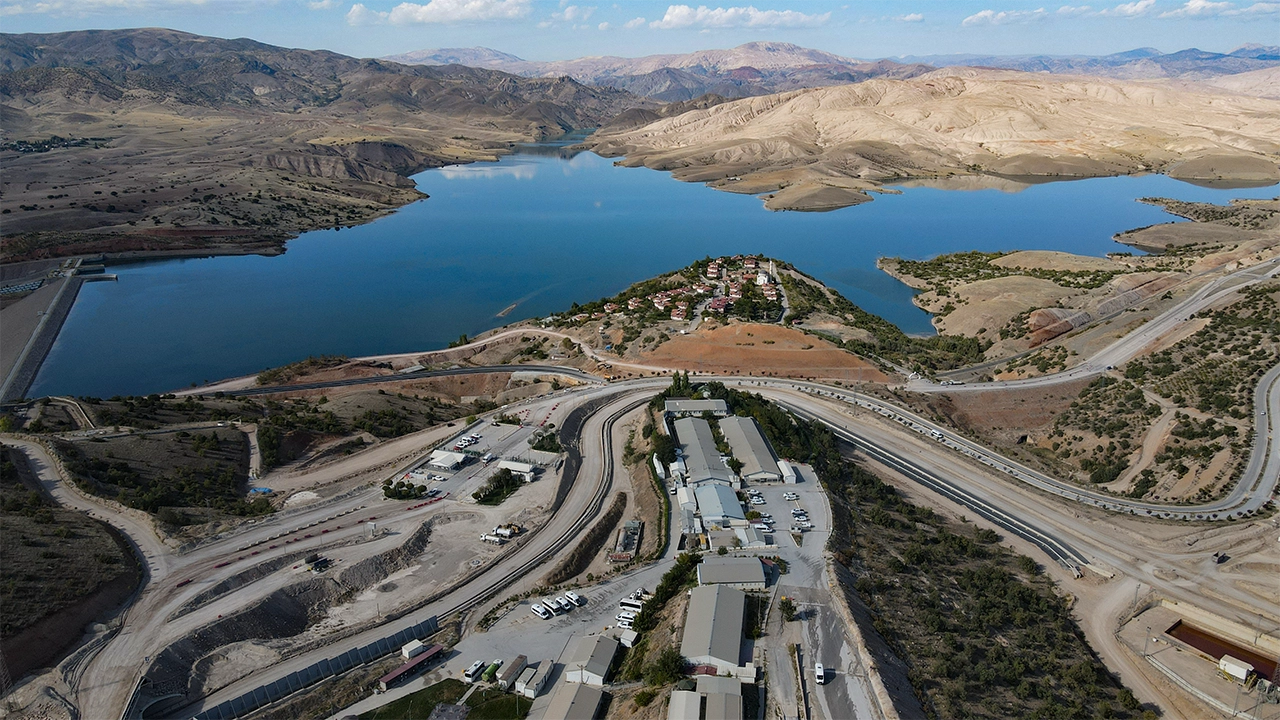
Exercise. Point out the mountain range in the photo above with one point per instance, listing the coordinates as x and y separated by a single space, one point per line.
218 133
755 68
760 68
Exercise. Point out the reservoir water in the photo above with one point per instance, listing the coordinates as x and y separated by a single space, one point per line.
540 232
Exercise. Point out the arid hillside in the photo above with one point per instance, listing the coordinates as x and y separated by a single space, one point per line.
156 139
823 148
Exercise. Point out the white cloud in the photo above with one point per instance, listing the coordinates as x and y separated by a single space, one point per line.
1210 8
574 13
603 26
912 17
1074 9
634 23
684 16
1003 17
441 11
1130 9
322 4
1261 8
1199 8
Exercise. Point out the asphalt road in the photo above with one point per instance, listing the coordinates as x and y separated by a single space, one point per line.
419 375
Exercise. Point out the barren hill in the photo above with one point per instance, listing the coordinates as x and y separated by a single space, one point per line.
158 139
821 148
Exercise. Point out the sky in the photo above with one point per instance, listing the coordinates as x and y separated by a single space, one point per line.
562 29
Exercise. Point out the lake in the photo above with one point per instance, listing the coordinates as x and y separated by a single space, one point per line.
540 232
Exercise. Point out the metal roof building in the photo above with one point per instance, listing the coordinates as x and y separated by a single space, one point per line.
713 627
719 506
571 701
685 406
751 449
590 660
743 573
446 460
701 458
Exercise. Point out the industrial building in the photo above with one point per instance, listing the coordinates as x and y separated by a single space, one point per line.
713 630
716 698
750 447
742 573
446 460
683 407
685 499
590 661
572 701
701 458
719 506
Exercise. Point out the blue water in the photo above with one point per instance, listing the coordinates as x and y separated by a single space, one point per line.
542 232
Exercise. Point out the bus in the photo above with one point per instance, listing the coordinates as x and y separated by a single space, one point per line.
629 604
473 672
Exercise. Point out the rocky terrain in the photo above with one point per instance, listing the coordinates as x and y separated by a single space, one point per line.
824 148
754 68
160 140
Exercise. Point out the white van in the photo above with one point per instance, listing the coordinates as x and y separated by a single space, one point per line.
820 673
540 611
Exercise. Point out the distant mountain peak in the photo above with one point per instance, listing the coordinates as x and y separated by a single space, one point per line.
474 56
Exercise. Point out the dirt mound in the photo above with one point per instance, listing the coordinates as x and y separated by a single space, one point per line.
1052 260
762 350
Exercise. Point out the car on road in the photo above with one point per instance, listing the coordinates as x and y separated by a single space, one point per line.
575 598
541 611
820 674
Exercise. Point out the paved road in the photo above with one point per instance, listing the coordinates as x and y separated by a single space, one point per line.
579 509
419 375
1131 345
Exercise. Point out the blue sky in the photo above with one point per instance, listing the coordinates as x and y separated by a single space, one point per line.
559 29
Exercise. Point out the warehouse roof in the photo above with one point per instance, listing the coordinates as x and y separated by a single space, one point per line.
701 458
750 448
714 626
718 501
685 406
573 701
730 570
593 654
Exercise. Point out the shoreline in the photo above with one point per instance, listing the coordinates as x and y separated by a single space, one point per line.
41 341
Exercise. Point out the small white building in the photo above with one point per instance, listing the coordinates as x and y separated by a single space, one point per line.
533 686
412 649
686 499
659 467
522 470
446 460
788 472
749 537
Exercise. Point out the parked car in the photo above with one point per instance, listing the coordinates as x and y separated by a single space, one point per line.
564 604
626 615
541 611
575 598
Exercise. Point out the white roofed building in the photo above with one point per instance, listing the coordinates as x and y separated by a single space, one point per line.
750 447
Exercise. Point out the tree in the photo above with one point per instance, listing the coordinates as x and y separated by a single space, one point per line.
787 607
